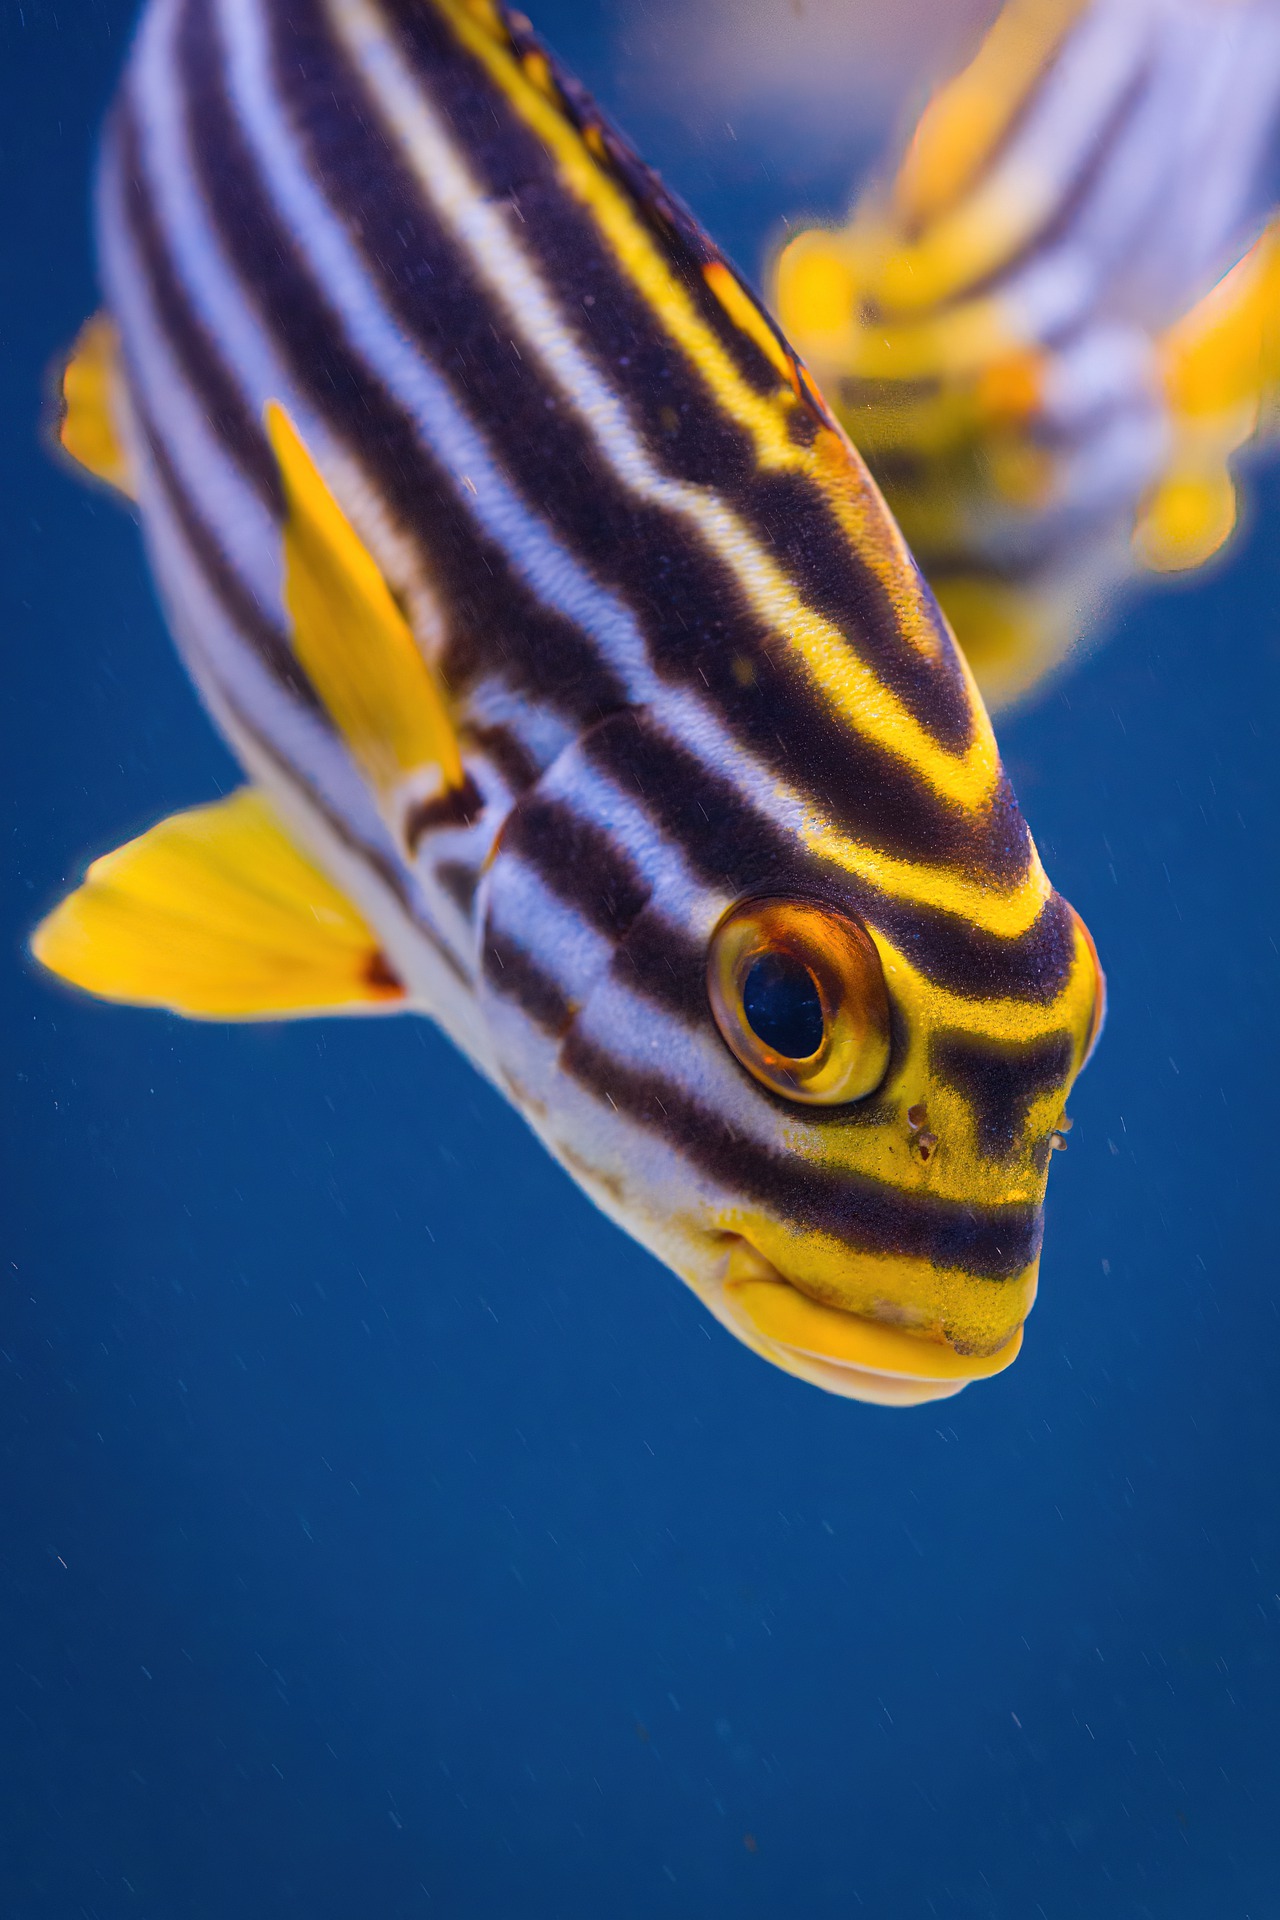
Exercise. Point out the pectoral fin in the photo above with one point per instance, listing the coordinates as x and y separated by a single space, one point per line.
215 913
91 403
356 644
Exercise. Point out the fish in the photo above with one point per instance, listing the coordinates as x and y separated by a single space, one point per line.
589 700
1049 323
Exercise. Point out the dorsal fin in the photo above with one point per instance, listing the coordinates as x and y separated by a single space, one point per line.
356 645
216 913
91 398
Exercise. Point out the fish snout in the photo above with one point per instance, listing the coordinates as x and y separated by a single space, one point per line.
890 1347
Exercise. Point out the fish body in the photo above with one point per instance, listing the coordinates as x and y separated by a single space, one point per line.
1026 326
566 641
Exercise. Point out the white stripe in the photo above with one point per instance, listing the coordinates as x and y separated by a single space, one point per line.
545 565
519 905
231 681
195 249
487 230
230 507
538 728
444 427
682 899
214 650
692 1060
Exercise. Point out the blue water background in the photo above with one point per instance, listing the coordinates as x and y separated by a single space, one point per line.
383 1534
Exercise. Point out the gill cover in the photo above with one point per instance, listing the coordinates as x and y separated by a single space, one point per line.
843 1157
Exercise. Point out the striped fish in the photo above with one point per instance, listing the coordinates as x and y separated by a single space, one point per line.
589 699
1016 329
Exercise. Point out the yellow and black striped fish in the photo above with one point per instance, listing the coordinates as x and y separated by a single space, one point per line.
590 700
1021 328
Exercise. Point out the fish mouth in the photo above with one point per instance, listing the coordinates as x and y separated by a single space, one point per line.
846 1353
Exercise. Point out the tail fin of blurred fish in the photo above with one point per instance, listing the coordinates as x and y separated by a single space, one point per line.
1220 369
1015 329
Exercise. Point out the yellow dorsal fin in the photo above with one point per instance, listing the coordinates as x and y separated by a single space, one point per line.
91 403
216 913
353 640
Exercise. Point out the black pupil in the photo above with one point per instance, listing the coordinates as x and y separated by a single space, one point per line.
783 1007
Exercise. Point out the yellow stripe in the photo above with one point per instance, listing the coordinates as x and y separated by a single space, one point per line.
746 315
991 1018
1007 914
852 688
848 683
632 247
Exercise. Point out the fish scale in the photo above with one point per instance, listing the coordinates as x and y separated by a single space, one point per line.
557 622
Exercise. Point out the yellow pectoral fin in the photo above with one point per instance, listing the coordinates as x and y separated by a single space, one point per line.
352 638
215 913
91 402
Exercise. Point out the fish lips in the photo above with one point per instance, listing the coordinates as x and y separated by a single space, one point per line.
850 1354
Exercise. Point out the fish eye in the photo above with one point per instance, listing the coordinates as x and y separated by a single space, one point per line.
798 993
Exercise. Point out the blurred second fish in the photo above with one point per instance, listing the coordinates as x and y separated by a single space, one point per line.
1046 329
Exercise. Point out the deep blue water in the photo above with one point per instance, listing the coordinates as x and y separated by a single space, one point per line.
386 1535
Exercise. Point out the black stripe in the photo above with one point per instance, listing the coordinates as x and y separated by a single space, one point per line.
1033 966
728 843
796 522
659 961
497 627
512 162
1000 1082
513 974
372 857
691 605
508 754
992 1243
694 603
459 882
578 862
194 348
454 807
244 612
739 851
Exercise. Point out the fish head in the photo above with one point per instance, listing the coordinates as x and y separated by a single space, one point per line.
837 1136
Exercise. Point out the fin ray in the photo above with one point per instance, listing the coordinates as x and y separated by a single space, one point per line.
353 640
215 913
